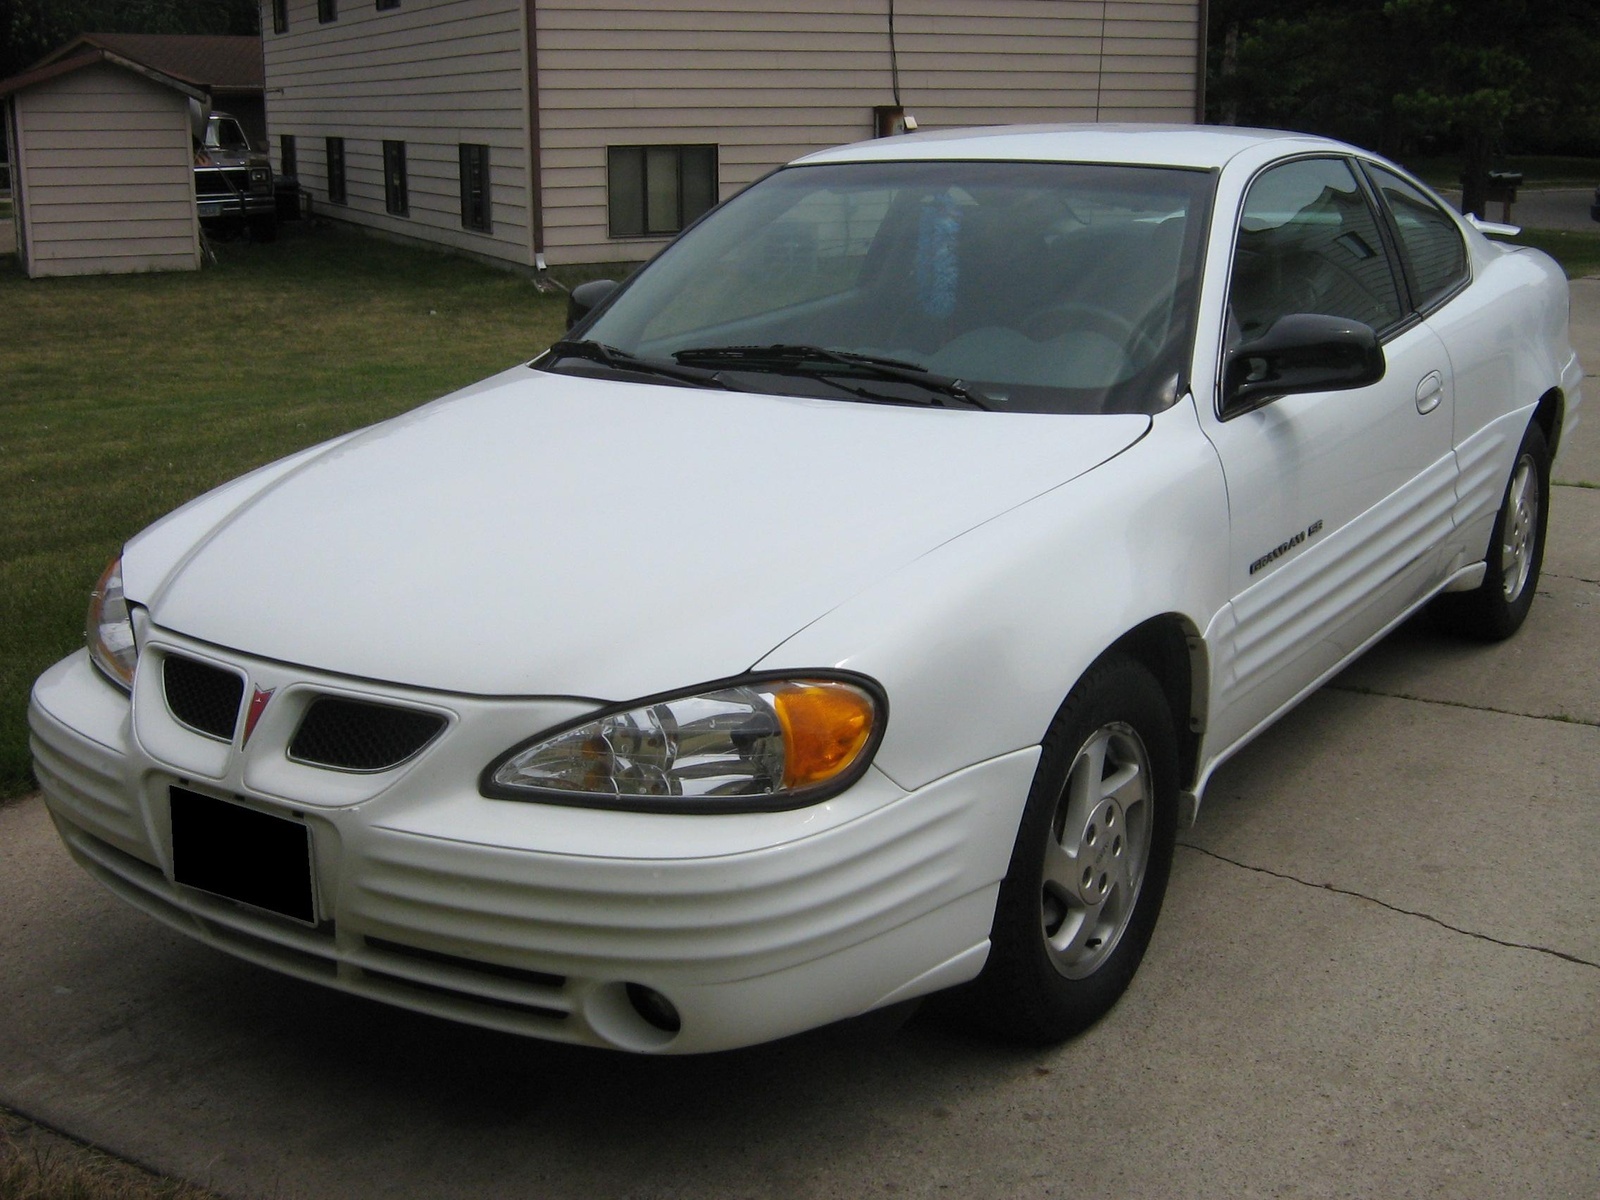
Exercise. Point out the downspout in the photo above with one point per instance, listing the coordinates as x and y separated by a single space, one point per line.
535 151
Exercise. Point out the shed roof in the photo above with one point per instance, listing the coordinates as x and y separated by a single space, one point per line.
88 56
213 62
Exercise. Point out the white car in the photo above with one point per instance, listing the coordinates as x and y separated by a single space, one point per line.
851 608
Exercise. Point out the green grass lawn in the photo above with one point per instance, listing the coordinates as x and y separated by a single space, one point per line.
1578 252
1537 170
123 396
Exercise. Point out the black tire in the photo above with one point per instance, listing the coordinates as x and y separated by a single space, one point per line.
1067 939
1496 608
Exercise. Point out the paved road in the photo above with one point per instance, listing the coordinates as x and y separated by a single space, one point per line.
1378 974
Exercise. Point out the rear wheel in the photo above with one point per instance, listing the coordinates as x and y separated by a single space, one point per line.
1090 865
1496 608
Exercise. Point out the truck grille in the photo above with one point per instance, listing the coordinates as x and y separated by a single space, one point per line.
218 182
352 735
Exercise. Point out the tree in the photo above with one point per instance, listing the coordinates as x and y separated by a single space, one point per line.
1476 77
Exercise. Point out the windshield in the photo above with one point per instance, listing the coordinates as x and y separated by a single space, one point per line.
226 135
1044 287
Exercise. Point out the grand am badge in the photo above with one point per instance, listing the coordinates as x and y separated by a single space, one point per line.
1273 555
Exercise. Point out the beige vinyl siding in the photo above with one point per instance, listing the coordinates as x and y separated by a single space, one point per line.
431 73
769 83
104 167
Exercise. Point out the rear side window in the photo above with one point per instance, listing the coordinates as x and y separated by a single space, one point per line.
1435 255
1309 243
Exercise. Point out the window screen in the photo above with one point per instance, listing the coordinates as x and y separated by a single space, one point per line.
657 190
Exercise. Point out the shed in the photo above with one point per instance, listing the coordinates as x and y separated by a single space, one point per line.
102 166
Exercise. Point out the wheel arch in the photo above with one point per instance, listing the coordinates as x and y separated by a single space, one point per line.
1550 413
1171 648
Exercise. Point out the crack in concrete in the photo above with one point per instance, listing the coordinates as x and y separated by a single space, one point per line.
1559 718
1394 908
1570 578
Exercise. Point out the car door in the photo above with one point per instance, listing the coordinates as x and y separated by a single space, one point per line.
1484 344
1338 501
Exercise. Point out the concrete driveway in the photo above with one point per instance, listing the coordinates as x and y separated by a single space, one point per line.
1378 974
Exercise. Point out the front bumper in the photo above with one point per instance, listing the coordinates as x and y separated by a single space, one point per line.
532 918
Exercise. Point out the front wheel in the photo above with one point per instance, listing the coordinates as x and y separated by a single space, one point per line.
1496 608
1090 865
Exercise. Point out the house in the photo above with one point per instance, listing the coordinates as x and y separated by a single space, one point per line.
567 132
102 166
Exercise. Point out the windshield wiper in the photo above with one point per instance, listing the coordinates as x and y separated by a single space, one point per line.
621 360
820 361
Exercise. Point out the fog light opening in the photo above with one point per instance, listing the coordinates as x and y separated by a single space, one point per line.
654 1008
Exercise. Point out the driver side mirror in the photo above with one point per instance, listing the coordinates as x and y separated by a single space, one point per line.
1302 352
587 297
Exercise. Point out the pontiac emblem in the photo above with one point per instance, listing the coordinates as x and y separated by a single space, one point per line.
258 705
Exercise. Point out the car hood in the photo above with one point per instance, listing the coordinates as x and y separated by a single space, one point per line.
549 535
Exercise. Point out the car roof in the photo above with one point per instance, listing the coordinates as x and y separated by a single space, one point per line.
1196 146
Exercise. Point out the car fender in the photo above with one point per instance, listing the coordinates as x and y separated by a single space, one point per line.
978 642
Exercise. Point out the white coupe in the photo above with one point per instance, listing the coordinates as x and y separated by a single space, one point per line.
851 607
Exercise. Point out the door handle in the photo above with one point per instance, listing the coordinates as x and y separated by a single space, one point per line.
1430 392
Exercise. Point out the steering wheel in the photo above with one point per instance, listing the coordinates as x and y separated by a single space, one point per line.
1134 338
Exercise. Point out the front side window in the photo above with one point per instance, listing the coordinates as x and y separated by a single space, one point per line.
1049 287
475 187
224 133
335 148
1435 256
654 191
394 178
1309 243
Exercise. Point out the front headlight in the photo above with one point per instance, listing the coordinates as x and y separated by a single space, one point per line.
109 628
752 744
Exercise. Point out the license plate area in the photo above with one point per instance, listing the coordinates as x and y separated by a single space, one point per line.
242 854
209 208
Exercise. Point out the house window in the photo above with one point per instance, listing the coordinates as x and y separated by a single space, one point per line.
327 10
288 157
336 170
394 178
654 190
383 4
475 187
280 16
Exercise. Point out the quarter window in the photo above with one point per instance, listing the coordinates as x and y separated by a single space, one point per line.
335 149
394 178
657 190
1435 256
475 187
1309 243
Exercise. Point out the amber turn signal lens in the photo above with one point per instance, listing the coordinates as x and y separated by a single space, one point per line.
825 724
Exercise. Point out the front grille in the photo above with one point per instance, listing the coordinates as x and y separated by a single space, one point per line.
203 697
352 735
222 183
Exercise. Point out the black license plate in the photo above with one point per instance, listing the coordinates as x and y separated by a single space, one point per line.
242 853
